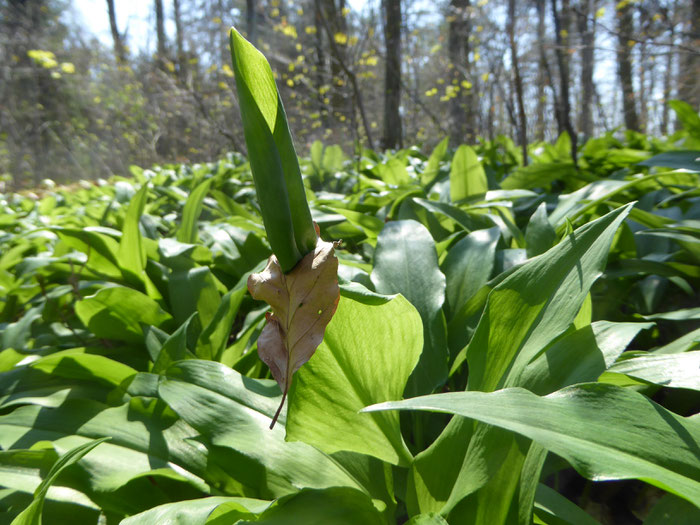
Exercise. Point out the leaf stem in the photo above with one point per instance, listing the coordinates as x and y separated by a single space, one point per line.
277 414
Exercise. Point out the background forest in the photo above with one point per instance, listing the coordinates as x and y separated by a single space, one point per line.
382 73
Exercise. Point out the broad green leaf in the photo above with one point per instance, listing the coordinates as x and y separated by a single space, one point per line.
16 335
432 169
187 232
405 262
685 343
524 313
212 341
74 365
669 370
102 250
393 172
555 509
430 518
368 352
369 224
331 506
678 315
687 116
32 514
467 176
538 175
118 313
147 444
605 432
578 356
272 156
468 221
467 267
538 302
672 510
132 252
234 412
174 348
21 474
687 160
198 512
193 290
540 235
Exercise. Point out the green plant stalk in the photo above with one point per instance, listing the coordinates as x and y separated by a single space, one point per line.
272 156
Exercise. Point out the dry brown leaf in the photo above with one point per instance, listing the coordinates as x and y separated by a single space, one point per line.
303 302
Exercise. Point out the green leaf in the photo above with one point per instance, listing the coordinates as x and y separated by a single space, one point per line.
234 412
368 352
118 312
273 160
538 175
197 512
669 370
214 338
405 262
174 348
432 169
132 252
605 432
687 116
672 510
427 519
331 506
193 290
538 302
467 267
393 172
540 235
579 356
524 313
187 232
147 440
467 176
21 473
32 514
557 510
686 160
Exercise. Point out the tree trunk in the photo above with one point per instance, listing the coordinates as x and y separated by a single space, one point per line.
181 58
522 120
339 29
251 21
586 27
461 116
688 84
319 77
541 73
668 75
625 29
392 137
561 26
160 30
119 51
645 63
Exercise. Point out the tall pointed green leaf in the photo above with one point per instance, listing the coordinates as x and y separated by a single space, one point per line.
272 156
187 232
605 432
524 313
32 514
467 176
